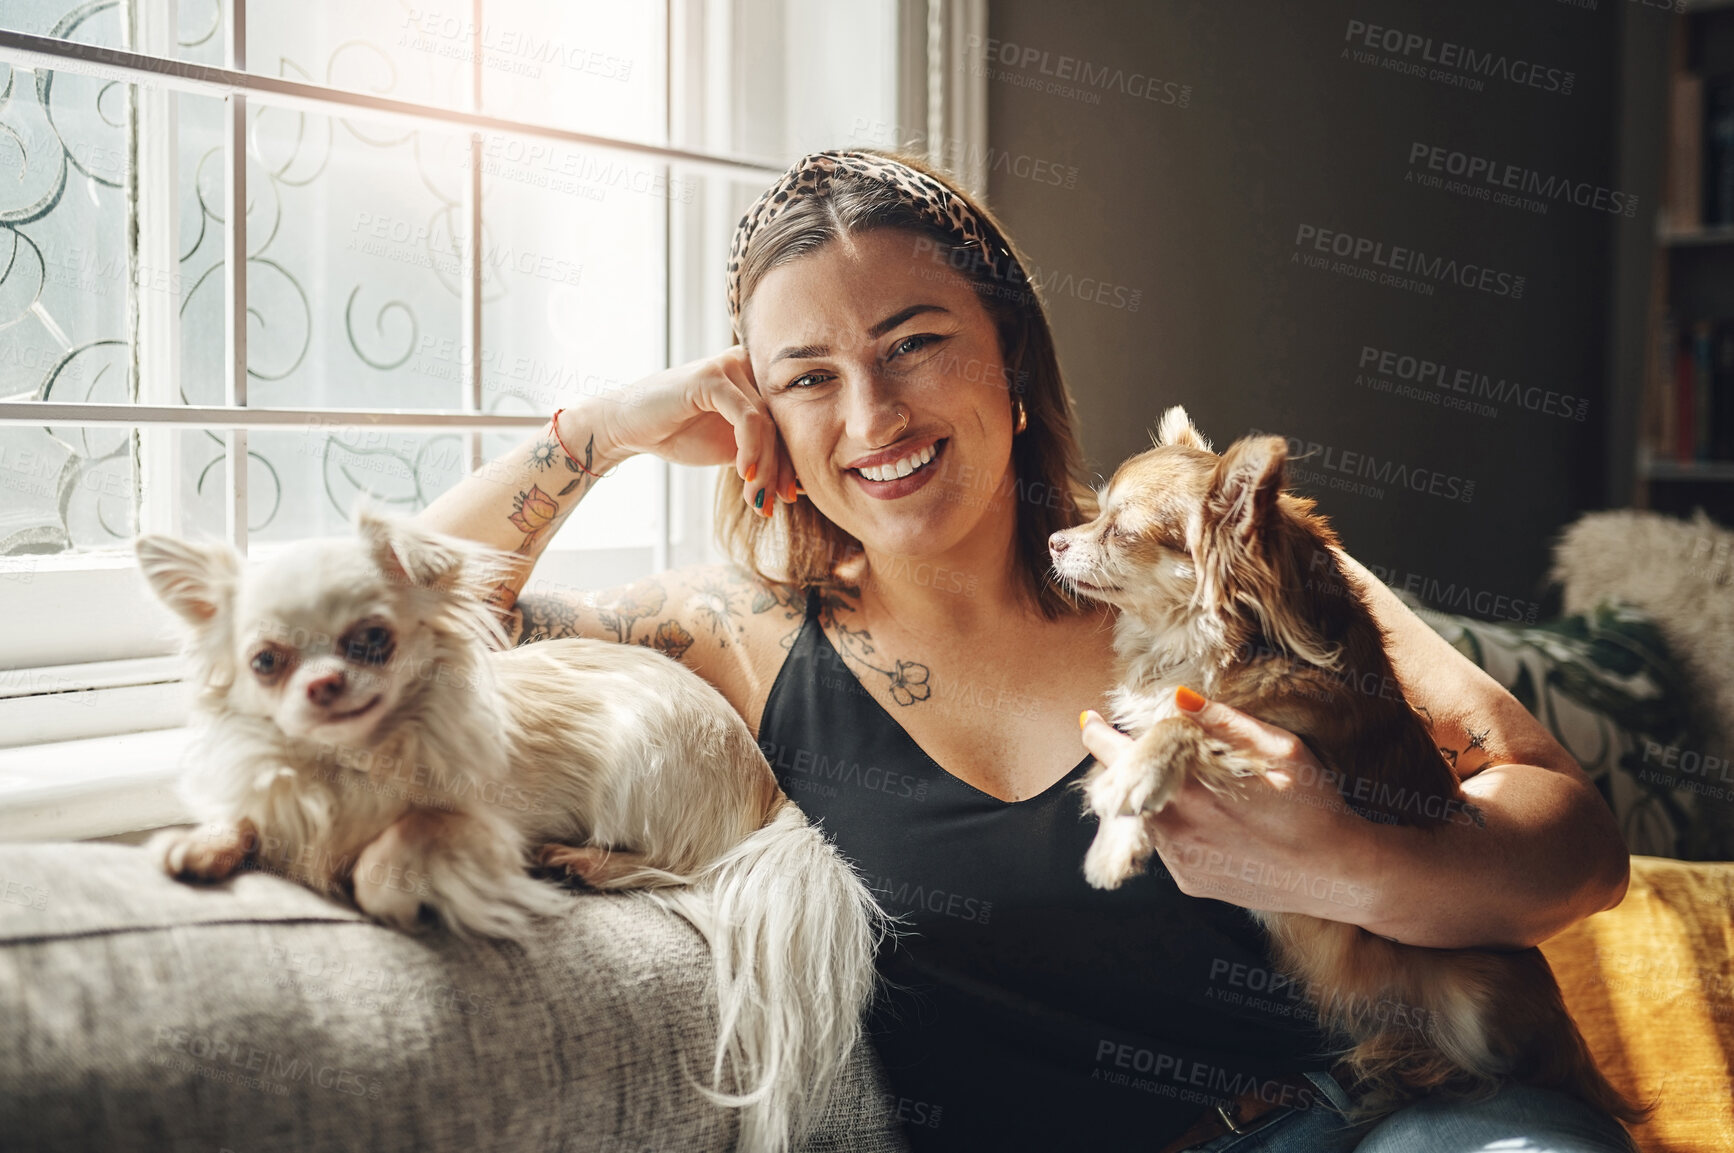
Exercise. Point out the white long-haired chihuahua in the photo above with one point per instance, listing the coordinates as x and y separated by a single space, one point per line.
358 733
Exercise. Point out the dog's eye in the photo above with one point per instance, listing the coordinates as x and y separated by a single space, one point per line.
371 645
269 663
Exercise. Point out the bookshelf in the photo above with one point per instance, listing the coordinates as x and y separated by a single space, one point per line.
1685 446
1687 237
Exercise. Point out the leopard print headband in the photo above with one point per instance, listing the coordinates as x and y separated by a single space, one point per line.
811 176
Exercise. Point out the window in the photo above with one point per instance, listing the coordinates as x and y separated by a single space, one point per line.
453 222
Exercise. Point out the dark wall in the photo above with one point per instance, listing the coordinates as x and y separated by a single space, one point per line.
1193 144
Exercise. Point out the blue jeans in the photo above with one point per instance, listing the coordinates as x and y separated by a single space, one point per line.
1517 1119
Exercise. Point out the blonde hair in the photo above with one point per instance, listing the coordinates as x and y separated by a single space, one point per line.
797 545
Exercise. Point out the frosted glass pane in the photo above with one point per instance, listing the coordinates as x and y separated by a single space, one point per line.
64 331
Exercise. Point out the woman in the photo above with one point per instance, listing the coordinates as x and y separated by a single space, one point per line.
902 447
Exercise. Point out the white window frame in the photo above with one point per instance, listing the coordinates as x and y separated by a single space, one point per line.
66 678
122 622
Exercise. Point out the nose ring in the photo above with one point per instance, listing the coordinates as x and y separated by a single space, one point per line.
904 417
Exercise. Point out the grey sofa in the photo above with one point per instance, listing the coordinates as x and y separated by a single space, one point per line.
138 1013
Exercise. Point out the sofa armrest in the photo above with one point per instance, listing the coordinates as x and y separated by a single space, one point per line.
142 1013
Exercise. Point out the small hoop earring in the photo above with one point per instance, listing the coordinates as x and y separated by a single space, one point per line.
1023 418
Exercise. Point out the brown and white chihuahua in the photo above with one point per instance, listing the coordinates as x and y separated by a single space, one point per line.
357 734
1228 584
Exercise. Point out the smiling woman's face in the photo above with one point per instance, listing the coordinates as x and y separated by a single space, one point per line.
850 336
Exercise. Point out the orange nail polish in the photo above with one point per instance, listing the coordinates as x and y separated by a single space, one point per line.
752 471
1083 718
794 492
1187 700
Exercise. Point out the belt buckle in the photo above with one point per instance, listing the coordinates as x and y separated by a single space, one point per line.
1229 1120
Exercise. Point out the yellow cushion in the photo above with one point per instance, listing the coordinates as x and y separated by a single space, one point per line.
1651 984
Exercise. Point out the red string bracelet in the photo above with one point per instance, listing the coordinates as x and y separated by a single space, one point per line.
554 423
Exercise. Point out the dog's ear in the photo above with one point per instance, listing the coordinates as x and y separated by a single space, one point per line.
1177 428
195 580
1255 560
406 552
1248 480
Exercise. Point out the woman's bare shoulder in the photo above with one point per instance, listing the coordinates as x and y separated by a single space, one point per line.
723 622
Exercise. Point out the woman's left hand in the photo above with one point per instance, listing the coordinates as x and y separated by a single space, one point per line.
1286 843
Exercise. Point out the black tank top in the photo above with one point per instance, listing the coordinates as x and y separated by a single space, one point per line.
1023 1009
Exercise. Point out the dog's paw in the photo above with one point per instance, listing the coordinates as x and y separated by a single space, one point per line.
453 868
209 852
1225 771
1107 788
1153 789
387 887
1130 787
1121 847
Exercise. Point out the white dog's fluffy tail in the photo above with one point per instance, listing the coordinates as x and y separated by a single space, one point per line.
793 932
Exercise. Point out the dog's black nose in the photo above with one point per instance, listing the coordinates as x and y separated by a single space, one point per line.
323 690
1059 543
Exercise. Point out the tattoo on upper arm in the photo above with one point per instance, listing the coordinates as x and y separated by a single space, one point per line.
1477 741
716 604
640 601
719 602
1459 766
671 639
546 618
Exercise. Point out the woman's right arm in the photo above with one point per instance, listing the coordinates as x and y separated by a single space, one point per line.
711 619
516 502
703 413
